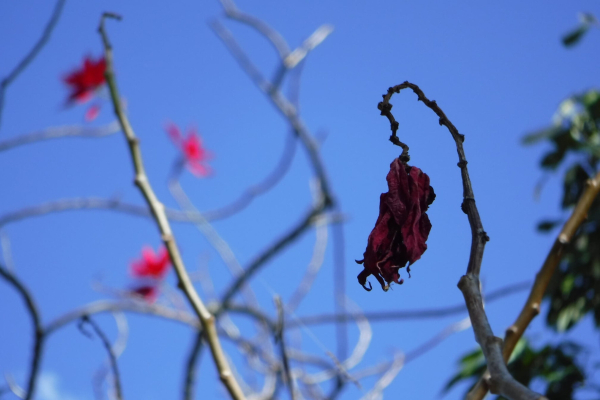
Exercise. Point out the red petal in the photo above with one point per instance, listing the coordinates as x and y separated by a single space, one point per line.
402 226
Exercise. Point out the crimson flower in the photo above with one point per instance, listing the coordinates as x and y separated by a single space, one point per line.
84 81
191 146
402 226
151 265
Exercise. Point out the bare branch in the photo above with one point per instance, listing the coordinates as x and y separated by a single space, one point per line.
501 380
39 45
380 316
192 366
111 355
531 308
253 191
61 132
377 392
158 211
280 338
38 331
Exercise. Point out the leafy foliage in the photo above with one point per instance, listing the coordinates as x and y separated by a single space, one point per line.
556 366
575 287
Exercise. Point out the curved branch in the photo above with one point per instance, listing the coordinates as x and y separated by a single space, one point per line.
92 203
32 53
60 132
111 355
501 381
192 366
531 308
38 331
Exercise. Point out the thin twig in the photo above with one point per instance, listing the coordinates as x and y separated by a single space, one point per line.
96 203
61 132
280 339
253 191
111 355
32 53
339 289
38 330
376 392
158 211
267 254
313 266
501 380
192 366
381 316
531 308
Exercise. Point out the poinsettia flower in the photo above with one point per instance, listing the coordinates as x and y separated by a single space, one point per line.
402 227
151 265
191 146
84 81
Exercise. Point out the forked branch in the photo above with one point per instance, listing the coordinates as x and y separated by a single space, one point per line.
501 382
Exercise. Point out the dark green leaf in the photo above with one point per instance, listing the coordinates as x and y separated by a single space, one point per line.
571 38
548 225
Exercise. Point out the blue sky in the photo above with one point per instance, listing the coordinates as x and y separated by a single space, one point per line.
498 70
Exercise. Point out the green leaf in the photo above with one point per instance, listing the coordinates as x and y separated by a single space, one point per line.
548 225
542 134
571 38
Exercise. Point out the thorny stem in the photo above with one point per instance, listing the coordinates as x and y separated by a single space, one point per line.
501 381
158 211
531 308
38 330
111 355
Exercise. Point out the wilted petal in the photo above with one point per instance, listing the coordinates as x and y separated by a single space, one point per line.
402 226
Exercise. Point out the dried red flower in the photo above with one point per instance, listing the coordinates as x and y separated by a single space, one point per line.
191 146
402 226
151 265
85 80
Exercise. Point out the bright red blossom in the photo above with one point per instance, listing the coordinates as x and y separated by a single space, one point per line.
151 265
191 146
402 226
85 80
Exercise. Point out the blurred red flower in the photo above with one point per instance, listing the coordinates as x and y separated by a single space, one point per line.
402 226
84 81
151 265
147 292
191 146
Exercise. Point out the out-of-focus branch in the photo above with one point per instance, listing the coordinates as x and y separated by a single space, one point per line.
280 339
158 211
262 187
380 316
60 132
97 203
266 255
313 266
38 330
376 392
111 355
531 308
8 79
140 307
191 367
501 382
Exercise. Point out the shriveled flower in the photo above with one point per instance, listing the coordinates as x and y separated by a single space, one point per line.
196 156
151 265
402 227
84 81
